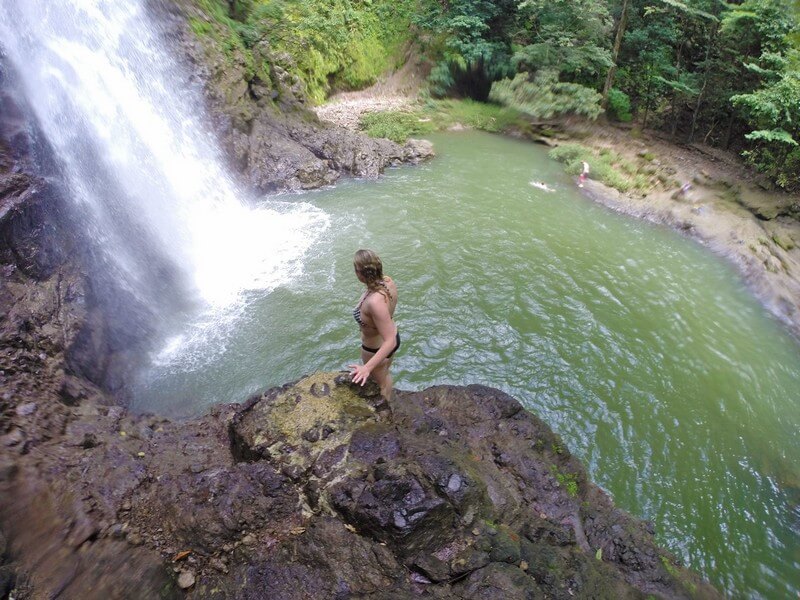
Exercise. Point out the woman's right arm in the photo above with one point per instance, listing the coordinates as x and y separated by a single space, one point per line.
379 311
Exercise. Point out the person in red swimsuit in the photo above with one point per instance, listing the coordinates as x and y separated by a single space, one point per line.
374 315
584 173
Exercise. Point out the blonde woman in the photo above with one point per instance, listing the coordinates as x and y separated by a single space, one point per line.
373 313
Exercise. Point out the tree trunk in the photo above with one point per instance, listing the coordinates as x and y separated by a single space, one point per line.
710 131
674 110
623 21
726 142
697 105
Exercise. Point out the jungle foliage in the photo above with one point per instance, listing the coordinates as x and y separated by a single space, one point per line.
329 45
723 73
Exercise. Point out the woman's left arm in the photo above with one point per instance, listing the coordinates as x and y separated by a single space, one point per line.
385 325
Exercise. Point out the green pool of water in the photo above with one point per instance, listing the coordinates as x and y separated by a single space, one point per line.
639 347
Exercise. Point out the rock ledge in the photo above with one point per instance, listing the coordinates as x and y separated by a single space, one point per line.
320 489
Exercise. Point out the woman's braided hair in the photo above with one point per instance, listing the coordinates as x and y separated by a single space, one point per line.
369 266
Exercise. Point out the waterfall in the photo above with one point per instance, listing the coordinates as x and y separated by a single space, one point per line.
126 128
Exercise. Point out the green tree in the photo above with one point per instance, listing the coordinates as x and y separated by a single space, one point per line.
646 61
568 37
545 97
774 111
620 33
561 54
469 43
750 34
691 22
766 98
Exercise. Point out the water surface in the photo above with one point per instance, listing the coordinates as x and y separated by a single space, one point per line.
638 346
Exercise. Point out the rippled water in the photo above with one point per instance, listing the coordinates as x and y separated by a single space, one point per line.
639 347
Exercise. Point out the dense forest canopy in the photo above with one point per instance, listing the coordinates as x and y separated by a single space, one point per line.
723 73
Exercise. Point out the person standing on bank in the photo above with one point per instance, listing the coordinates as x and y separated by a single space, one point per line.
584 173
373 313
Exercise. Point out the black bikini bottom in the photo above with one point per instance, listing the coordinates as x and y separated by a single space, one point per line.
375 350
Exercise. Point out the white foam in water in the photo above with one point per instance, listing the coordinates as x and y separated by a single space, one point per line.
127 130
260 254
245 250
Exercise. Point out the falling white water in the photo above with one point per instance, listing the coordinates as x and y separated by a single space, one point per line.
126 128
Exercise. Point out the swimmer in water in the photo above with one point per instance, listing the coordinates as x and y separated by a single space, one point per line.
542 186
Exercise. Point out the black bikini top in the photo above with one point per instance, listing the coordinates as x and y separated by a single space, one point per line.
357 309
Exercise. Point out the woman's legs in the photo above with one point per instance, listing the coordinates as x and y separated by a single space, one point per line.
380 373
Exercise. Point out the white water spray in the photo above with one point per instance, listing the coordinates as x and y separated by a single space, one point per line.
126 129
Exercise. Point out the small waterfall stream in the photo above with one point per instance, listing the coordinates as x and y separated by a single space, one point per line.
126 127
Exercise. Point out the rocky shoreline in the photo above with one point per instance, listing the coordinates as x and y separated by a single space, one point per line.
726 208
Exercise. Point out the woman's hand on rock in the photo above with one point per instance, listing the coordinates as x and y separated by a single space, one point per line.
359 373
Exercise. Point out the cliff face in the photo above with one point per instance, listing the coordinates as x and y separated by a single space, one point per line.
80 327
42 290
261 115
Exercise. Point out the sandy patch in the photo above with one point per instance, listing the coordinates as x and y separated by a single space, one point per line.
346 109
395 91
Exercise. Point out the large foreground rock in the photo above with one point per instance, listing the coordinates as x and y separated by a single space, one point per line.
320 490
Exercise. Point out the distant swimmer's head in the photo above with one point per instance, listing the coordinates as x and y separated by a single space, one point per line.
369 267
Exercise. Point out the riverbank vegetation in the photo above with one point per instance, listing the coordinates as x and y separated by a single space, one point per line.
436 115
727 74
724 74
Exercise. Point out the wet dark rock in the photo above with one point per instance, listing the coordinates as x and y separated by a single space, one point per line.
8 579
26 409
116 531
84 528
73 390
499 581
400 507
8 469
14 438
377 507
30 232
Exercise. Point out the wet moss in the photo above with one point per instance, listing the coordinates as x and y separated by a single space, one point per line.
784 241
569 481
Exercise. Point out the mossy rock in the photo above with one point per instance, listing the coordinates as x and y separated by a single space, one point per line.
783 240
